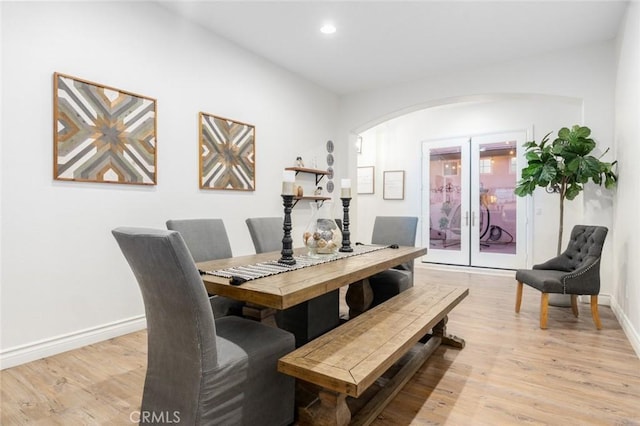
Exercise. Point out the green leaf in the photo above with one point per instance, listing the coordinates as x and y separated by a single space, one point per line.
572 191
564 133
573 164
610 181
521 191
590 166
531 170
532 156
545 139
547 173
582 132
525 188
582 146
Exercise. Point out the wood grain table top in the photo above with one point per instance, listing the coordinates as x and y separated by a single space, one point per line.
288 289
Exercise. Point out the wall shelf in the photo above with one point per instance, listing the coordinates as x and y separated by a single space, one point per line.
310 198
319 174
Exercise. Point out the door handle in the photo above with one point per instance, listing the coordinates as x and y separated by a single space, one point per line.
473 219
466 218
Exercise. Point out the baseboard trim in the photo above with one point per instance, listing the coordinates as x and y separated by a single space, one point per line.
603 299
53 346
627 327
469 269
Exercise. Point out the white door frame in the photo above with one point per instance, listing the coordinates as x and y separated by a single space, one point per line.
470 254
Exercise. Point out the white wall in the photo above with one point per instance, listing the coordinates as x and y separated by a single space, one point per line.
586 74
64 281
1 145
626 282
605 79
397 144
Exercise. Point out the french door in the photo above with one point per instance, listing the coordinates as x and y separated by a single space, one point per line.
471 215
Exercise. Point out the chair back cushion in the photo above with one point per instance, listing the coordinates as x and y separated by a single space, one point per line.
266 233
206 238
585 246
181 330
399 230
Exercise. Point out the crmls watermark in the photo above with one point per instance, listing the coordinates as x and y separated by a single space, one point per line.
155 417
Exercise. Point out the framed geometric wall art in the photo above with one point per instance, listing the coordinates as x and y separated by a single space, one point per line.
227 154
102 134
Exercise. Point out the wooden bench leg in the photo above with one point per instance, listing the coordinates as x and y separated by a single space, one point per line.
330 410
440 330
359 297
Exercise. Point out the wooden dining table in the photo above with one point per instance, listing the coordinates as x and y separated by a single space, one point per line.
306 301
285 290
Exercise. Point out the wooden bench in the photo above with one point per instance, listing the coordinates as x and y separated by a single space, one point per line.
350 358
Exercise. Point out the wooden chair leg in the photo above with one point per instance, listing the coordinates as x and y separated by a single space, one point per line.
594 312
519 297
544 310
574 304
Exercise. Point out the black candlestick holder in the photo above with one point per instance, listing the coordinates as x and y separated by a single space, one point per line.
287 241
346 243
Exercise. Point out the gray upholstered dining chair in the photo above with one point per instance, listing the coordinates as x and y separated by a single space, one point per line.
306 320
576 272
266 233
387 230
202 370
207 239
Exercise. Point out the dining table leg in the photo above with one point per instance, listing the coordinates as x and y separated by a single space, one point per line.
359 297
258 313
312 318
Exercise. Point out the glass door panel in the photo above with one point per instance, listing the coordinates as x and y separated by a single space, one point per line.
495 219
446 201
471 215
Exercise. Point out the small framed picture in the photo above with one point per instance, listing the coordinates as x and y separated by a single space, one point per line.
393 185
366 180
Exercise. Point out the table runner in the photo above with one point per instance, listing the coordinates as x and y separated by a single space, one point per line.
272 267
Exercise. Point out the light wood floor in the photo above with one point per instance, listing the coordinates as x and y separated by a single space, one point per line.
510 372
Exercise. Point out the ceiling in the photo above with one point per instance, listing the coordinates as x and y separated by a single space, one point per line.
383 43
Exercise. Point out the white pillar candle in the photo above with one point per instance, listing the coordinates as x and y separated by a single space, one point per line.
345 192
288 179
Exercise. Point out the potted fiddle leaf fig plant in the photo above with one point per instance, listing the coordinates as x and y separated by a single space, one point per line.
563 167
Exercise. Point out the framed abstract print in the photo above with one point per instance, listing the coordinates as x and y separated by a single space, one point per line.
227 154
102 134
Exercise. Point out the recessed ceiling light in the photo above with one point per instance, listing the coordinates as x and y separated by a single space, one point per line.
328 29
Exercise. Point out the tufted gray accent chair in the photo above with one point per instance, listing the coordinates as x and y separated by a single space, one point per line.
201 370
207 239
576 272
400 230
